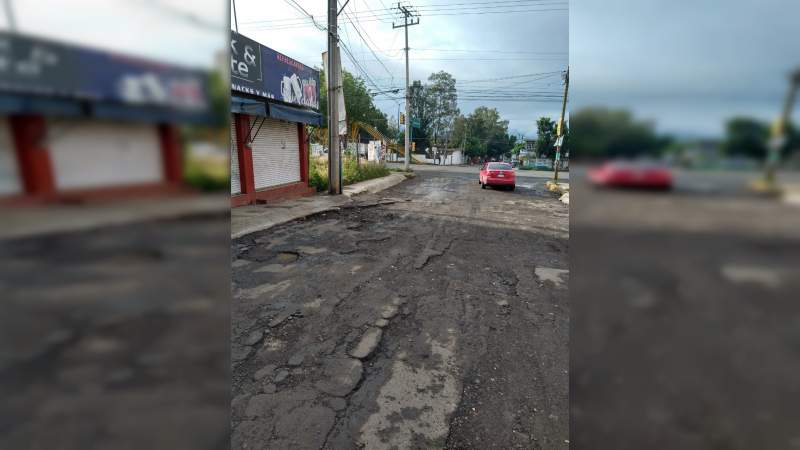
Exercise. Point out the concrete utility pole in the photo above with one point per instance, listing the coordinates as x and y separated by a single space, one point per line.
560 129
406 14
334 155
779 130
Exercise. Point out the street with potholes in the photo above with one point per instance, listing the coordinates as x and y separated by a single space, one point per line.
431 315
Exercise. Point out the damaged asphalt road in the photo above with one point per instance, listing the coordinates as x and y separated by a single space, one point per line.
434 315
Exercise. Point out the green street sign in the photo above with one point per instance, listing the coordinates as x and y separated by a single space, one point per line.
415 122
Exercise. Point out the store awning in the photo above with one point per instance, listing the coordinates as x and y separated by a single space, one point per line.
65 107
25 104
292 114
148 114
243 105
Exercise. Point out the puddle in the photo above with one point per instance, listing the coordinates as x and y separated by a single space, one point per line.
311 250
274 268
286 257
265 289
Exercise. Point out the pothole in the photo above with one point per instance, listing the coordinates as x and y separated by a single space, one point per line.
286 257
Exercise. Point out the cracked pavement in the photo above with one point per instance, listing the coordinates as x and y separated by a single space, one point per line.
116 337
432 315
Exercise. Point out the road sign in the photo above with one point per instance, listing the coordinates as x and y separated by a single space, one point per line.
415 122
559 142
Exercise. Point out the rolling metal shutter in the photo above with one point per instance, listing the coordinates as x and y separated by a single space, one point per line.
236 186
9 175
88 154
276 152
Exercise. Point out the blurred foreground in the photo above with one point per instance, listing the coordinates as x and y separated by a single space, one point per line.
117 337
685 319
114 330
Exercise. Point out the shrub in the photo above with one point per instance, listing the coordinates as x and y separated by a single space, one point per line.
352 172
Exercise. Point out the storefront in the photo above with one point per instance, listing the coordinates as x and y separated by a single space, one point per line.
79 123
273 99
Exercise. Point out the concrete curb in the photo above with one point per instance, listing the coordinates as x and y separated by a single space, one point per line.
375 185
559 188
28 222
319 204
286 217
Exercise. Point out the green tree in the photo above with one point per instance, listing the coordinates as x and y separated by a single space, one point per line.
358 103
603 133
444 109
421 109
745 136
545 137
486 133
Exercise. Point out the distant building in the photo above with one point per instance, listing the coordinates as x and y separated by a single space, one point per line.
530 146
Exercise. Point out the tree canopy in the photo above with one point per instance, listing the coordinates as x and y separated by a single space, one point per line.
484 133
357 101
604 132
745 136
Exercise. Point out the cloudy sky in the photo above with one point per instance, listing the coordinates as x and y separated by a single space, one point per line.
471 39
176 31
687 65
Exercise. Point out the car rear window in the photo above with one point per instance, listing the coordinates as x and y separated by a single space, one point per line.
499 166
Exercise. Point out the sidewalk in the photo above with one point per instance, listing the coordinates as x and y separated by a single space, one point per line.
253 218
29 221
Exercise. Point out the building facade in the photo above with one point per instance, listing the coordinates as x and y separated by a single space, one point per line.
78 123
273 100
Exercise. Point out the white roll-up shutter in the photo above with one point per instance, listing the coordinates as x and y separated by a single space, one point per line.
9 170
89 154
276 152
236 185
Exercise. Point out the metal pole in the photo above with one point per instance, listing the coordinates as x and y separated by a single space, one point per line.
398 130
235 19
408 106
334 164
561 127
12 23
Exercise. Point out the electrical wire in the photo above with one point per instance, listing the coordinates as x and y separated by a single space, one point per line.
302 25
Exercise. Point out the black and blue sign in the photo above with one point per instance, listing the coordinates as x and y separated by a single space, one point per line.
260 71
34 66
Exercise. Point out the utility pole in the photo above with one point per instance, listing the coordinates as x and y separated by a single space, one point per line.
398 129
334 152
406 14
560 130
12 23
779 131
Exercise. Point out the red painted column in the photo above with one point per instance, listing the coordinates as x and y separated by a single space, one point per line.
245 154
171 153
35 166
302 135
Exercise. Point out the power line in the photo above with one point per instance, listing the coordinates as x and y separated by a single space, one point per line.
385 12
302 25
302 10
368 46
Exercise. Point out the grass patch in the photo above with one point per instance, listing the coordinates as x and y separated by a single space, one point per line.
352 172
207 174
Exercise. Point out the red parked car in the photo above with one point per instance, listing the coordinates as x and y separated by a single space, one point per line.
644 175
497 174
